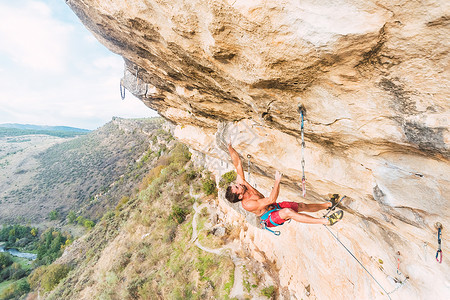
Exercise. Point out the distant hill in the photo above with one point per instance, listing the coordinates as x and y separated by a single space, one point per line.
80 174
11 129
43 127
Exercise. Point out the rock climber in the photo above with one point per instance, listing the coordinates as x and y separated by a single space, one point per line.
255 202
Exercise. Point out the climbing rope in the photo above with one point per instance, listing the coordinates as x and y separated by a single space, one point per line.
337 239
439 251
301 111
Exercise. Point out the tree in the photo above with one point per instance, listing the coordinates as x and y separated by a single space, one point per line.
53 275
54 215
71 217
34 231
5 260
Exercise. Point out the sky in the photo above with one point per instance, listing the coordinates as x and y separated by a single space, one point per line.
54 72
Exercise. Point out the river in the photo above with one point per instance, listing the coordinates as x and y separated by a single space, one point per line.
17 253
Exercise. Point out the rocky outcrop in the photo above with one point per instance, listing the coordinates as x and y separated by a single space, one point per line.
372 78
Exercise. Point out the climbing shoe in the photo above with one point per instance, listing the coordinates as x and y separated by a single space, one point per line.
335 217
334 202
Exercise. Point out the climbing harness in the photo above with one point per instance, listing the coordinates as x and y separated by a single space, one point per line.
266 216
301 111
439 251
337 239
122 90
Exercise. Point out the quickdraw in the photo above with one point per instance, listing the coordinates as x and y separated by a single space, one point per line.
122 90
439 251
301 111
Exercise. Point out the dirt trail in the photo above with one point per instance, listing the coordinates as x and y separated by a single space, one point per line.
238 289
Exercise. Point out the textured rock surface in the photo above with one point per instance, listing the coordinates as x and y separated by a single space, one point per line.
373 78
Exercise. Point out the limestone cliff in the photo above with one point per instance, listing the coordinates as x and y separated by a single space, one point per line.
373 78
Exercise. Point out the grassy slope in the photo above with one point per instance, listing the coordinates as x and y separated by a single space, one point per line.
4 285
141 251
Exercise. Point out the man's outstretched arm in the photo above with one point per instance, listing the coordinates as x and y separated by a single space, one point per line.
237 163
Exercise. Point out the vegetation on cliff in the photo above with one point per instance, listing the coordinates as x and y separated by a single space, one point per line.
142 248
86 174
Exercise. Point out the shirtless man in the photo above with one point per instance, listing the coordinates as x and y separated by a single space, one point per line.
255 202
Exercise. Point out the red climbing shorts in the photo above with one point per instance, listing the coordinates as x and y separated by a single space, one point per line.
275 215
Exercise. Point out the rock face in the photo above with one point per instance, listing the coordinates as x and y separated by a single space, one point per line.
373 79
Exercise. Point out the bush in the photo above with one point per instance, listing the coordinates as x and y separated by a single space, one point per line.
89 224
124 200
50 246
15 290
5 260
180 155
190 175
35 277
54 215
178 214
85 222
71 217
152 175
53 275
209 186
269 292
227 178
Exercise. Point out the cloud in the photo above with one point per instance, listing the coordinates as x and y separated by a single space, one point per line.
55 72
31 37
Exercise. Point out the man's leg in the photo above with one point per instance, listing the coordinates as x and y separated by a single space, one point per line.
313 207
287 213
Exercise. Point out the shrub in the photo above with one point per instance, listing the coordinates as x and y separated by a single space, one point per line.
124 200
209 186
178 214
15 290
71 217
227 178
53 275
269 292
50 246
89 224
54 215
190 175
5 260
180 155
152 175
